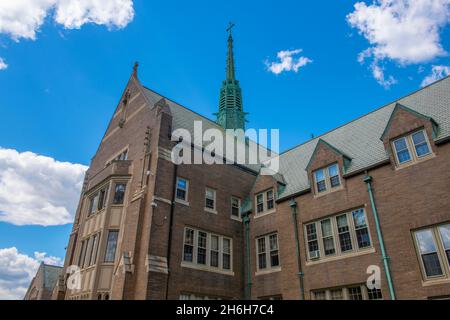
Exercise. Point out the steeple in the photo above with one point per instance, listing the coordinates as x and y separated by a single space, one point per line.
231 114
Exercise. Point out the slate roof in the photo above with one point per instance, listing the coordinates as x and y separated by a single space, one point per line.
360 139
184 118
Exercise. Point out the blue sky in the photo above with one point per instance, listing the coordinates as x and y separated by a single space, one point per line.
60 89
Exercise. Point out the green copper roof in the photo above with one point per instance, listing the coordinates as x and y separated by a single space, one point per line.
231 114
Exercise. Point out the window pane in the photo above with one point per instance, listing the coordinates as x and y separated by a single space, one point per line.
355 293
119 194
420 144
269 199
361 230
209 201
262 253
235 207
374 294
260 203
101 199
344 233
320 180
181 189
327 235
432 264
425 240
274 258
111 246
337 294
201 251
401 148
428 251
313 244
333 173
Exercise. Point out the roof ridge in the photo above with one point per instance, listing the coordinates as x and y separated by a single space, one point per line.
364 115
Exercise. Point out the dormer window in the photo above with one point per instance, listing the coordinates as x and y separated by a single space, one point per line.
327 179
411 148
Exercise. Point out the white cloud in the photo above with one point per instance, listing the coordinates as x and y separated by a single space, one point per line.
288 62
437 73
17 270
23 18
38 190
3 65
72 14
403 31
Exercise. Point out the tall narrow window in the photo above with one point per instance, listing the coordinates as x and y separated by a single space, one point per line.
327 237
262 263
182 189
87 261
420 144
111 246
102 199
313 244
320 181
333 174
95 250
269 195
402 150
336 294
214 252
82 254
235 207
260 203
188 251
345 240
361 229
429 253
201 250
93 204
444 232
274 259
210 198
119 195
226 257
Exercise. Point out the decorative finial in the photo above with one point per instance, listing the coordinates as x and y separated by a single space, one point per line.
230 28
135 69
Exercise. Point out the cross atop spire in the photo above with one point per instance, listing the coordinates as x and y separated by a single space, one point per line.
230 28
230 60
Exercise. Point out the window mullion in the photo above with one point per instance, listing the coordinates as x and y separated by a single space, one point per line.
194 255
268 264
220 252
335 232
319 238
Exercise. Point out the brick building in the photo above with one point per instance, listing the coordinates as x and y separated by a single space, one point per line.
373 192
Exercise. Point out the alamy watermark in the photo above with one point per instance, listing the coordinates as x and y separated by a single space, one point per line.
215 146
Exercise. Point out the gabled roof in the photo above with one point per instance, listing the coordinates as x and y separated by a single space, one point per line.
360 139
329 146
399 106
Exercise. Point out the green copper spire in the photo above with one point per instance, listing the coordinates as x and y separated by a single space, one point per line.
231 114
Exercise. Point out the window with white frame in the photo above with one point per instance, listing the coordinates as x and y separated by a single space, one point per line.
207 250
355 292
210 199
338 235
433 246
265 202
412 147
235 207
327 179
181 192
267 252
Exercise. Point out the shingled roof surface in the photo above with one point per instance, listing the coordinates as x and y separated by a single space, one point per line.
184 118
360 139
